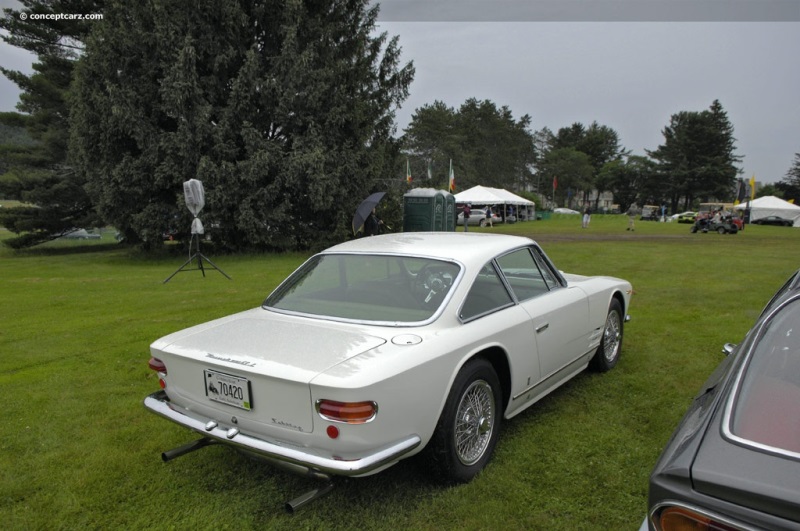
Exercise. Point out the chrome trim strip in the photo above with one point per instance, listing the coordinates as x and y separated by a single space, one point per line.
732 399
665 504
318 403
160 404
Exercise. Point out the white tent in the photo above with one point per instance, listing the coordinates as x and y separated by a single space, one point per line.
484 195
771 206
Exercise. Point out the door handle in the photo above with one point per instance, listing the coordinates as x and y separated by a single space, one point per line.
542 327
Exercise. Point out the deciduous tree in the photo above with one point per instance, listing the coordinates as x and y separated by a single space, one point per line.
486 144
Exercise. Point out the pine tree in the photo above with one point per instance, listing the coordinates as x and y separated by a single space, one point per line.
39 173
790 184
697 159
283 109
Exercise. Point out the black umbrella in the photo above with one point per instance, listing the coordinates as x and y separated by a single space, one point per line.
364 209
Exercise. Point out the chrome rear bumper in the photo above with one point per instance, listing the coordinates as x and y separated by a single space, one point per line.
298 460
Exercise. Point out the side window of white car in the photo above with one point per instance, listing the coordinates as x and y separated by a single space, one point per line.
545 267
486 295
523 274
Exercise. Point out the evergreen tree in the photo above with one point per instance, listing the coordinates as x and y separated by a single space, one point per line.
38 173
431 140
790 184
283 109
697 159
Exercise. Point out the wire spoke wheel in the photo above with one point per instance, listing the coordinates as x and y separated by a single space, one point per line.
611 336
469 425
475 420
608 352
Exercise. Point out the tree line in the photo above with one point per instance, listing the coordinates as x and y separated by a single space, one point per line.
286 111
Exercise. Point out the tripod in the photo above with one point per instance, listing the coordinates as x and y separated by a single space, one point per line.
200 257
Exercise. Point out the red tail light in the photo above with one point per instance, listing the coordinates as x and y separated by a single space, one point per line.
157 365
348 412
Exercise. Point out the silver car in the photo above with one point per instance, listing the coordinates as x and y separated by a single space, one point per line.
477 217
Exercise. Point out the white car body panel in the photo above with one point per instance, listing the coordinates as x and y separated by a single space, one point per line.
294 360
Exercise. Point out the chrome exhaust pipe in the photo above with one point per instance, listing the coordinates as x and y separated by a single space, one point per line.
292 505
169 455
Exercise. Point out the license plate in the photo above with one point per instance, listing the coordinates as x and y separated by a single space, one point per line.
231 390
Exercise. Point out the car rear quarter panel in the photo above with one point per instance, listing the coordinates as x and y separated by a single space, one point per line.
411 383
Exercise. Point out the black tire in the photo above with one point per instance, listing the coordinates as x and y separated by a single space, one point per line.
693 229
608 352
482 223
469 426
721 230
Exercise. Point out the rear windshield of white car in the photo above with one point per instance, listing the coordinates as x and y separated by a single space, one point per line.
767 408
391 289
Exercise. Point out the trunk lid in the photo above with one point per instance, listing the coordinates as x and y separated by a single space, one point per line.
274 357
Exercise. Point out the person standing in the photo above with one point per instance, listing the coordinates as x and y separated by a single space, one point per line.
632 212
587 217
489 215
372 226
466 214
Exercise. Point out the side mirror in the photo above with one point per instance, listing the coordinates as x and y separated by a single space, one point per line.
727 348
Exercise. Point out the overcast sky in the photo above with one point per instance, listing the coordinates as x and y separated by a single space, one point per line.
627 64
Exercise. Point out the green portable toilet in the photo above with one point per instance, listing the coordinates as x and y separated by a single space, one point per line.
427 209
450 212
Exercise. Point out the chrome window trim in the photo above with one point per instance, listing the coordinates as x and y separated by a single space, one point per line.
503 282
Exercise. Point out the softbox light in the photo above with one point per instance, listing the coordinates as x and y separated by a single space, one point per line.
195 201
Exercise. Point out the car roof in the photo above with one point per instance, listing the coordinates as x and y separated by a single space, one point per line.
464 247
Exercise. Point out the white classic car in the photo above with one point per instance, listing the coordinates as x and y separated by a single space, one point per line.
378 348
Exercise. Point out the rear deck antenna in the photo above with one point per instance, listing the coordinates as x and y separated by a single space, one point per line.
195 201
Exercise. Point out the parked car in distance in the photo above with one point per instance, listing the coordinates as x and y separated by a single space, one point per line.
684 217
733 463
477 217
378 348
81 234
773 220
565 211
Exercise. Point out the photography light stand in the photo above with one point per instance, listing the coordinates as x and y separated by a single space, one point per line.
195 201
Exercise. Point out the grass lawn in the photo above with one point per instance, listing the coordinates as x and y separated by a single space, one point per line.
79 451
